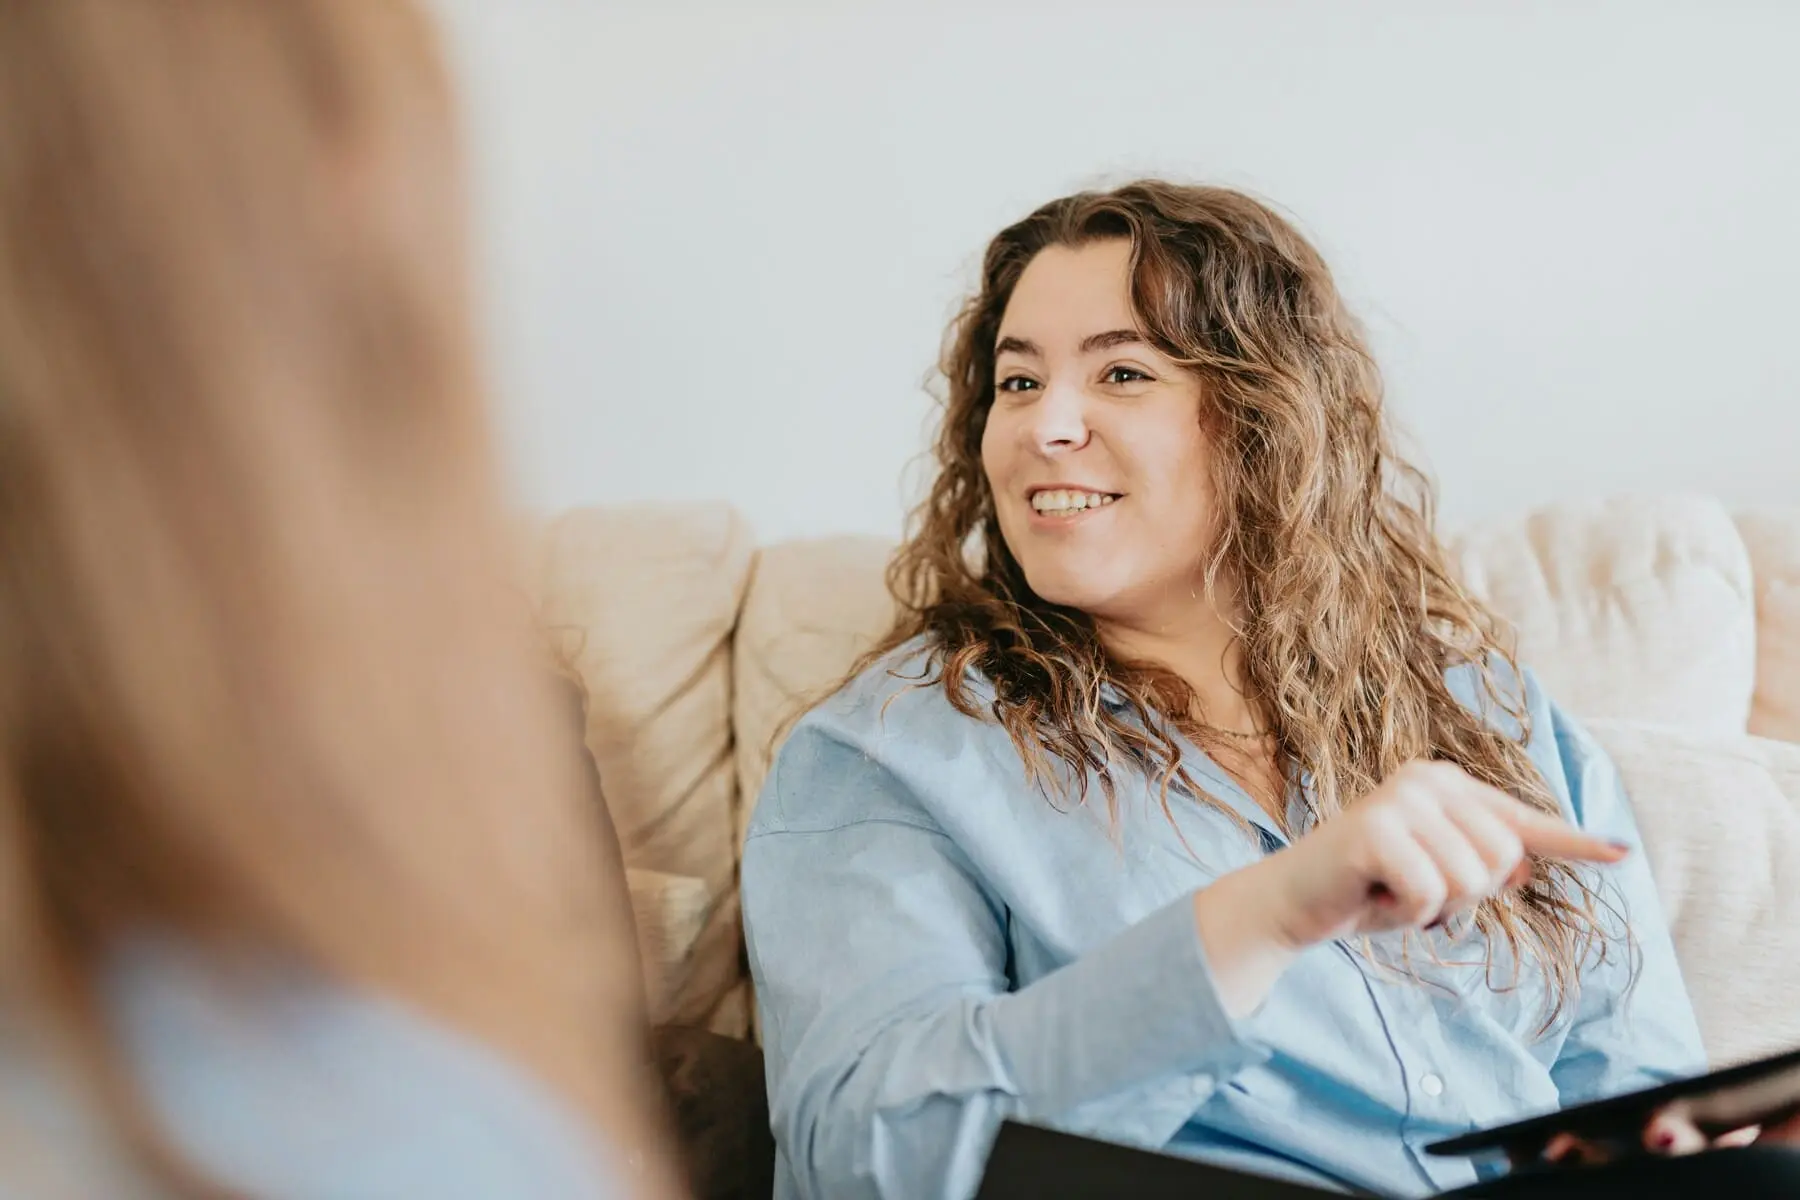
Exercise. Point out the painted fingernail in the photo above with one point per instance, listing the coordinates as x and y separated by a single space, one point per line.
1664 1140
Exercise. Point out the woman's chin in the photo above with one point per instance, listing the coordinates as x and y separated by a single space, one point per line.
1070 589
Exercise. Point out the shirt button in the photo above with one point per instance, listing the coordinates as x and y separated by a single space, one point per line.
1431 1085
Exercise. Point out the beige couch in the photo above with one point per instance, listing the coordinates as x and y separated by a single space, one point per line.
1670 623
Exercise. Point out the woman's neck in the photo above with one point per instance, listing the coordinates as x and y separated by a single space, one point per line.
1201 647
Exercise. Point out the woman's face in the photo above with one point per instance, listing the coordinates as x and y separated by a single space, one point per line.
1094 447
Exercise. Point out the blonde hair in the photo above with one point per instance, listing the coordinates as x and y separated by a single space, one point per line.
1353 614
261 685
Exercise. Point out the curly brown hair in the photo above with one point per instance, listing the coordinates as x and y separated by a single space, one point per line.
1352 614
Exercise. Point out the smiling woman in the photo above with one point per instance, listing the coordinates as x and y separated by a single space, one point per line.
1356 885
1087 416
1082 420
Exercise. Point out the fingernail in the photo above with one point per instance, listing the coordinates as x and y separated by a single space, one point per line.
1621 846
1663 1140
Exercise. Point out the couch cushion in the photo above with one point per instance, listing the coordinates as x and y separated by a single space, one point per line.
1638 608
813 607
642 602
1772 537
1720 817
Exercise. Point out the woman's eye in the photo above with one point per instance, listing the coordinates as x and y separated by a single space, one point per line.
1124 375
1016 383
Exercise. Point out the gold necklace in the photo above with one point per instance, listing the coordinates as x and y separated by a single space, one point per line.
1257 736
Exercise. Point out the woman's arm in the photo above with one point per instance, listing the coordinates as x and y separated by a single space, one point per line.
895 1043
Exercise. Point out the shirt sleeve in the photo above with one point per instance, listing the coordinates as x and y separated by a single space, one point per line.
1633 1025
895 1040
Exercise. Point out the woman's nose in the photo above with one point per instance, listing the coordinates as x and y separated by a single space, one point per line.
1059 420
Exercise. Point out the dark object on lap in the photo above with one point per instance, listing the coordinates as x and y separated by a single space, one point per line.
720 1108
1764 1092
1029 1163
1749 1173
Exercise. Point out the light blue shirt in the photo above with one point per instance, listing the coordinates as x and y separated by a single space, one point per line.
937 947
306 1091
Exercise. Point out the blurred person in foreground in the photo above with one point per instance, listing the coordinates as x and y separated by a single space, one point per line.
298 894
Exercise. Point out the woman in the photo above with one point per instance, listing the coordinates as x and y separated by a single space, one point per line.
1191 802
300 898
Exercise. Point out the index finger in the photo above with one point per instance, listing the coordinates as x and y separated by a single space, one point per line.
1545 835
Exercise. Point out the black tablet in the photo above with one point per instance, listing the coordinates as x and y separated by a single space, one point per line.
1752 1093
1028 1162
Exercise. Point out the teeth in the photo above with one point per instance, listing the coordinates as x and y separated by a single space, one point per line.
1062 502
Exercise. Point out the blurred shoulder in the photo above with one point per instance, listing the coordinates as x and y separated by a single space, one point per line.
303 1088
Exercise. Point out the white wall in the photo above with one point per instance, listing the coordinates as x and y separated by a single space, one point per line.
724 238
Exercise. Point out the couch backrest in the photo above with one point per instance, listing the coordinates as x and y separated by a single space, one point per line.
1638 608
814 608
1720 815
1772 537
643 602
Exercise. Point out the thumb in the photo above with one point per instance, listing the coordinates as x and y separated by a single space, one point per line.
1671 1132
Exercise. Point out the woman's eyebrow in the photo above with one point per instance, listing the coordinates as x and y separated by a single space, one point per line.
1089 344
1109 339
